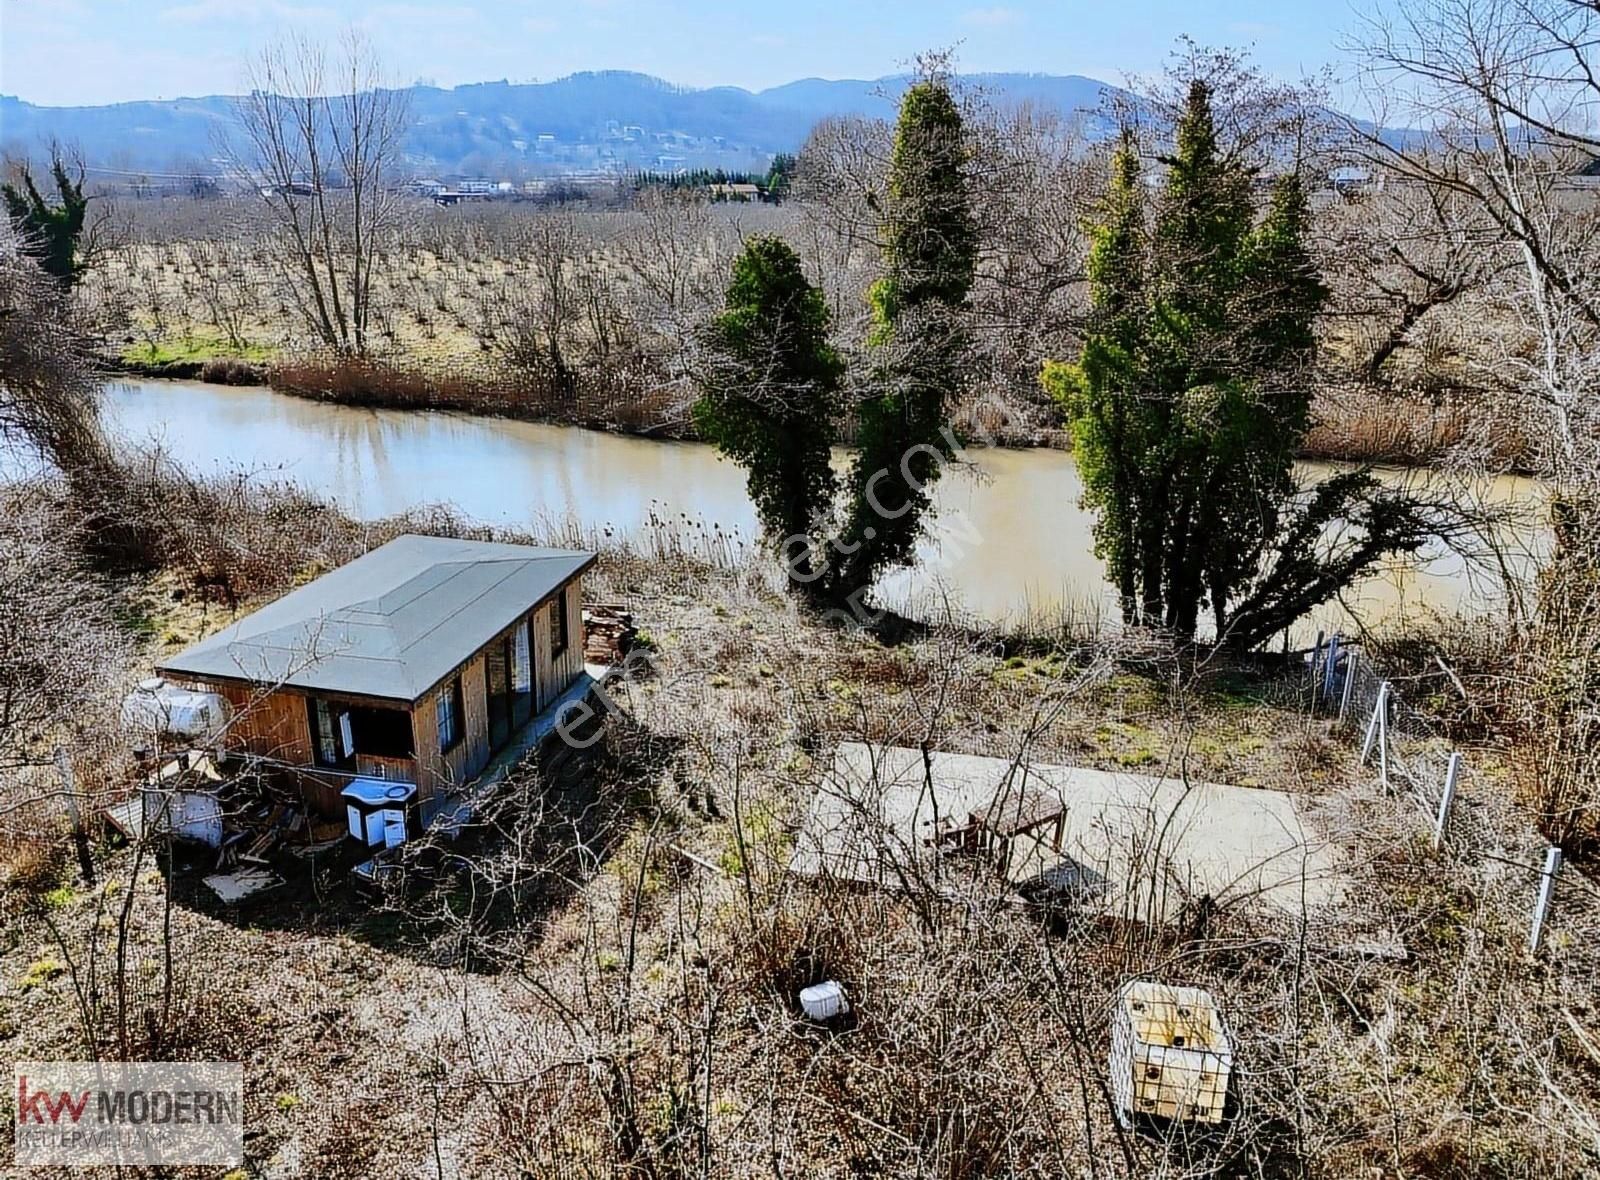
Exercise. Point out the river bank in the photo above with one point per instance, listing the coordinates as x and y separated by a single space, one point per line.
1009 544
658 881
1350 423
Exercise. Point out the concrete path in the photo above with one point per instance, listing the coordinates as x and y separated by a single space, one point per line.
1134 845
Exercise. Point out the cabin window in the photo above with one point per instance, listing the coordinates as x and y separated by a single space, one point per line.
558 623
331 741
340 732
521 665
382 733
448 710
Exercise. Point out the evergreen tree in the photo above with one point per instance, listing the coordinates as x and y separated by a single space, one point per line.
50 233
770 394
919 310
1189 401
780 175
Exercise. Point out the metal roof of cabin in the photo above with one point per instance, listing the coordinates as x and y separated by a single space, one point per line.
392 623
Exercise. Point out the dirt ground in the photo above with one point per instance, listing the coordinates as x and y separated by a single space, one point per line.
602 980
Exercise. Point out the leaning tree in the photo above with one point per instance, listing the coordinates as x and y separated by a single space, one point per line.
1192 394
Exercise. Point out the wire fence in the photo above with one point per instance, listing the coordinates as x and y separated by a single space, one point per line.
1414 758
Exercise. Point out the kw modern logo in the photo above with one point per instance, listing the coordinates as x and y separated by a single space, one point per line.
91 1114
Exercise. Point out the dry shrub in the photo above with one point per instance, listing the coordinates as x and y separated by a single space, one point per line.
628 394
31 863
63 654
1381 425
358 382
1531 688
230 371
810 936
1463 672
1561 671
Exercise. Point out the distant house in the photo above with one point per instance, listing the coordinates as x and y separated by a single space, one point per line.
1350 180
475 186
296 188
416 664
736 192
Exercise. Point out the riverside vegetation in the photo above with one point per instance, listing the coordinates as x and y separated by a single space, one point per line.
602 980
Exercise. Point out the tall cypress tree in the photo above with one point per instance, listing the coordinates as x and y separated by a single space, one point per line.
919 311
770 391
1190 399
1113 428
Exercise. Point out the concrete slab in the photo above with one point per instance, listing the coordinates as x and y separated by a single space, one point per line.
235 887
1134 846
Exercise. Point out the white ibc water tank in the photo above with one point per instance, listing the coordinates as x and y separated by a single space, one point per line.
825 1000
1170 1054
169 711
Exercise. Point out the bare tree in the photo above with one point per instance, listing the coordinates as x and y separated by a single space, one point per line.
321 143
541 321
1499 97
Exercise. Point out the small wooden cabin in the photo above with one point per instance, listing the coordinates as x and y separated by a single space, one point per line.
416 663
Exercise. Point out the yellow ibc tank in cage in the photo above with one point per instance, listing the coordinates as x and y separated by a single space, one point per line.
1170 1056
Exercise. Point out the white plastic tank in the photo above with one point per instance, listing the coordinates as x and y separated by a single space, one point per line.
1170 1054
825 1000
166 710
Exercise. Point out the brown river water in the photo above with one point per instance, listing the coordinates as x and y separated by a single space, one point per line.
1015 541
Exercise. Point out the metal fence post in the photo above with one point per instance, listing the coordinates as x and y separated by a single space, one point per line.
1376 723
1446 801
1316 674
1383 736
1329 667
1350 664
1547 889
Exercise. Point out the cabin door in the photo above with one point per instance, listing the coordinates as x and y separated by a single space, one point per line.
497 671
508 669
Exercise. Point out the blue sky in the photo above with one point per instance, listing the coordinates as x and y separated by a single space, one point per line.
94 51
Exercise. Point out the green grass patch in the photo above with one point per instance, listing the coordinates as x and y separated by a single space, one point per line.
192 349
41 972
1130 745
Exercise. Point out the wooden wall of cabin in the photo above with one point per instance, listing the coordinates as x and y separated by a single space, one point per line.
553 675
275 725
444 771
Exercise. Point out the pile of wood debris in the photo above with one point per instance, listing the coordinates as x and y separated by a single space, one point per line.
227 809
608 633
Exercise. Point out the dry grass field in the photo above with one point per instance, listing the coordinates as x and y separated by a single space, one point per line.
602 979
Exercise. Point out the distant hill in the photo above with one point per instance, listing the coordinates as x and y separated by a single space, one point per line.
600 121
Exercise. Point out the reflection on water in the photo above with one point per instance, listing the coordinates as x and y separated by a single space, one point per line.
1013 538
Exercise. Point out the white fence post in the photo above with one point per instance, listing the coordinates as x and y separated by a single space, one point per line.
1378 731
1383 737
1446 801
1349 684
1547 889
